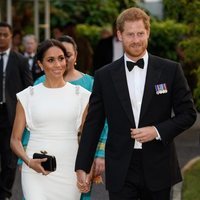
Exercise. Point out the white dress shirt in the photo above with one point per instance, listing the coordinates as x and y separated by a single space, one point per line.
30 59
5 59
136 81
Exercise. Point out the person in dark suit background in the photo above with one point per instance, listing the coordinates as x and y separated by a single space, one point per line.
108 50
137 94
30 44
14 77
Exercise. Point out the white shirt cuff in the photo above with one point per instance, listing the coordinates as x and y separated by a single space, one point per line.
158 135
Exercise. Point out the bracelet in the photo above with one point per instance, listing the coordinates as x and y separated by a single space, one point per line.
29 162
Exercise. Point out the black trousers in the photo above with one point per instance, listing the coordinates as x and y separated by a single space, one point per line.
135 187
8 159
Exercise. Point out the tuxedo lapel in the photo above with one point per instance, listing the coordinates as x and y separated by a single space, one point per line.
152 77
120 82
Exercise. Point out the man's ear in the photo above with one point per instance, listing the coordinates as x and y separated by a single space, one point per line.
148 32
119 35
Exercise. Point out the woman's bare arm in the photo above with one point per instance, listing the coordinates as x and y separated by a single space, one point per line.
18 128
16 144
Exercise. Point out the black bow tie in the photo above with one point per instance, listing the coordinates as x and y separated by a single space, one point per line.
30 57
131 65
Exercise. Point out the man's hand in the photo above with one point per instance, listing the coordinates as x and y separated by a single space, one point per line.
145 134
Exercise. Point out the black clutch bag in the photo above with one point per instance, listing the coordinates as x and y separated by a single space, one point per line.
49 164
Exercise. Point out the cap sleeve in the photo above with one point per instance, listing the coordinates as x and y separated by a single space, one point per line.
23 97
84 99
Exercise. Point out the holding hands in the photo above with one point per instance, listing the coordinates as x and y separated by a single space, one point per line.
83 181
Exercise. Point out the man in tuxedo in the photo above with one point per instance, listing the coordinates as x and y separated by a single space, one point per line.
137 94
30 47
14 77
108 50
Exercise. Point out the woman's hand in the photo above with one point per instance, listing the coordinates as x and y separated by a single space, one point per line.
36 164
83 181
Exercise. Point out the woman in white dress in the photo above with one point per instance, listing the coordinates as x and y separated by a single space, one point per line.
53 113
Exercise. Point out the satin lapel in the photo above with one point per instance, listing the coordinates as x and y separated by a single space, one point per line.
119 79
153 74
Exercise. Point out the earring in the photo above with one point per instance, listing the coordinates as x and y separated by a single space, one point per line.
41 67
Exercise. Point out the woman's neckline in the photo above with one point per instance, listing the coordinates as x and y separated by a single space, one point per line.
60 87
74 76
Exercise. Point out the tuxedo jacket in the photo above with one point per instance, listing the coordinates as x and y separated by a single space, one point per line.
36 70
103 53
110 99
18 77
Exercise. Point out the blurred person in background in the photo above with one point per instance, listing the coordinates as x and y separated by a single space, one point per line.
14 77
108 50
57 32
30 44
17 41
105 33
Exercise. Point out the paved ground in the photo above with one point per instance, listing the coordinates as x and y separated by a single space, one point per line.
188 147
188 143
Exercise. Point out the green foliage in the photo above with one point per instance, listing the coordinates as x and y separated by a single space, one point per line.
188 12
165 36
192 17
191 58
184 11
174 9
191 189
91 16
97 11
93 12
181 10
191 48
91 32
